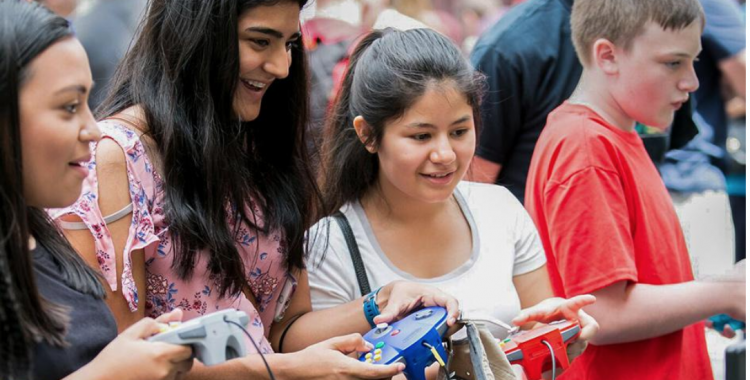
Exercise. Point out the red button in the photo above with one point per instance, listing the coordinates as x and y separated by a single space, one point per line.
395 332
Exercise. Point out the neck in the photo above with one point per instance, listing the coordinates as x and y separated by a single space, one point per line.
592 91
399 208
32 243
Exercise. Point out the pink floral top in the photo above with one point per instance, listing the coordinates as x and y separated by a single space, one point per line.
263 256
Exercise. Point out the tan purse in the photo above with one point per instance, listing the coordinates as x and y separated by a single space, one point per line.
478 357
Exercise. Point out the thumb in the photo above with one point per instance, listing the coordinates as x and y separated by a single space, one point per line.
142 329
173 316
349 343
396 308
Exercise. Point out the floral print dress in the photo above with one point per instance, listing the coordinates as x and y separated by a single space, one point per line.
263 255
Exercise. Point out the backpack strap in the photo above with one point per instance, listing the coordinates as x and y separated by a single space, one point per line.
351 242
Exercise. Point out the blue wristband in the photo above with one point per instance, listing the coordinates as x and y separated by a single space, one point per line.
370 307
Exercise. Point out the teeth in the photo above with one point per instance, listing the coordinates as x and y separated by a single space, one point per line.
256 84
438 175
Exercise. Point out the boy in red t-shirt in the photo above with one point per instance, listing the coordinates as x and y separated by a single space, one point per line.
605 218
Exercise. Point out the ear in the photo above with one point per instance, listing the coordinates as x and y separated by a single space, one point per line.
605 56
363 132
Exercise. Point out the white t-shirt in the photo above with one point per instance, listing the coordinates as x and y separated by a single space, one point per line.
505 244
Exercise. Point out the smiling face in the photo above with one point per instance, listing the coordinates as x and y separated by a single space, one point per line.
266 36
56 125
656 75
425 153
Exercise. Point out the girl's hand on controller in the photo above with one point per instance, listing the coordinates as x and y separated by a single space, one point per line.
173 316
399 299
555 309
130 356
330 360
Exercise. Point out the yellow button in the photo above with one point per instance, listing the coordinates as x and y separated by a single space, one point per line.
378 351
368 361
368 355
378 357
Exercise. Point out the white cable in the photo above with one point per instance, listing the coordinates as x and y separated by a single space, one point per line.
552 353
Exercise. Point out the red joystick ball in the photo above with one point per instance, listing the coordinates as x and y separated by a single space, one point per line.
528 350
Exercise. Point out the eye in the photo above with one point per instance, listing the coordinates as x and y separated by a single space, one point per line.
260 43
71 108
292 44
421 136
460 132
673 64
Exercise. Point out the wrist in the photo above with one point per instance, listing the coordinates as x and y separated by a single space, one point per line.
279 363
384 293
370 307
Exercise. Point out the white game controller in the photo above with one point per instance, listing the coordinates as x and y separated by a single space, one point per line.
213 338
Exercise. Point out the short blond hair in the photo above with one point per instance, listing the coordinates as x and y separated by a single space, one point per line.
620 21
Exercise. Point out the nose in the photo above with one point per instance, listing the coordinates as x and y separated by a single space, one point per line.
278 63
690 83
89 130
443 152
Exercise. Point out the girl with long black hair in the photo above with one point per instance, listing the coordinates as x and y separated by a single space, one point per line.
53 321
201 189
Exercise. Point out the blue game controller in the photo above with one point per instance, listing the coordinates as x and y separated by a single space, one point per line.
720 320
415 341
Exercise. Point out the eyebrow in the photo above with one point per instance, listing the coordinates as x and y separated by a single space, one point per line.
682 54
418 124
76 87
272 32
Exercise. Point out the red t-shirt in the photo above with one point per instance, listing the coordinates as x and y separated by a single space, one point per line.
604 216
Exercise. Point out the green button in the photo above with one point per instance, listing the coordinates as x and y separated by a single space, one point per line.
380 345
507 340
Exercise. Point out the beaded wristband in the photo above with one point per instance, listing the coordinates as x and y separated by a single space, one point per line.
370 307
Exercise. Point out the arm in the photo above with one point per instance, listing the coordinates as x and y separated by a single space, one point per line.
533 287
394 299
325 360
143 361
114 195
482 170
733 70
629 311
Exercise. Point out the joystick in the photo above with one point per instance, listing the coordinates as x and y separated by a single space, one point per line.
214 337
540 349
415 341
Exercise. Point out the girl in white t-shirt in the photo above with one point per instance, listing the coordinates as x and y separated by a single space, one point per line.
400 138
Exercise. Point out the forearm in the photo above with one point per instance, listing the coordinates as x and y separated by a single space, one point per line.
317 326
483 170
633 312
249 367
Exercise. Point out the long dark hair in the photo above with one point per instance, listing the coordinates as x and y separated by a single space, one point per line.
388 71
183 71
26 30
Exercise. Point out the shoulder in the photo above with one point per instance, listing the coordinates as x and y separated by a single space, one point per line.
518 33
486 199
121 161
575 139
576 128
326 236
